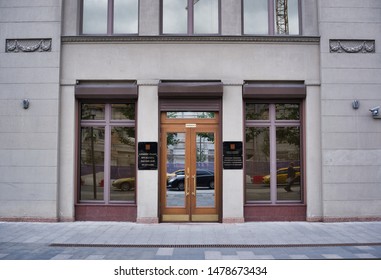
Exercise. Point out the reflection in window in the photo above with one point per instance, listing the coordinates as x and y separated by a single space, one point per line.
126 16
287 17
93 112
110 17
256 17
274 17
288 163
190 115
206 17
92 163
257 111
107 153
123 179
175 16
257 164
123 111
95 16
190 16
273 153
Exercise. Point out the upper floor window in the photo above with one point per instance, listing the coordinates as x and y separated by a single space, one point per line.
110 17
190 16
273 17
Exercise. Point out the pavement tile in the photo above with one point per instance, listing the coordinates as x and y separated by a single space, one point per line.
3 255
245 255
165 252
95 257
299 257
332 256
213 255
365 256
62 257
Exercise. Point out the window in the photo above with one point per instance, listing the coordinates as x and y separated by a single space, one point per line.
273 17
190 16
110 17
107 153
273 152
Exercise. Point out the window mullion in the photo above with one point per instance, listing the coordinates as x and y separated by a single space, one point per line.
110 17
273 159
107 157
190 17
271 17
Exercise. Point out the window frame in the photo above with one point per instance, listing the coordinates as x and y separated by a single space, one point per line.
272 124
110 21
190 22
108 124
271 20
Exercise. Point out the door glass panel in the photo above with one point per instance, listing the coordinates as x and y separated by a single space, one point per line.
205 169
257 164
288 163
205 16
175 192
92 163
175 16
190 115
123 179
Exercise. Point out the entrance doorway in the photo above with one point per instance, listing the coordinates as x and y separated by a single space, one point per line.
190 184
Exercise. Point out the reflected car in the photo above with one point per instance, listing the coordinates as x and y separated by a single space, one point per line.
204 177
175 173
282 176
124 184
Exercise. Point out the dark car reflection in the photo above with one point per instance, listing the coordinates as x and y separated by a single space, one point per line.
204 178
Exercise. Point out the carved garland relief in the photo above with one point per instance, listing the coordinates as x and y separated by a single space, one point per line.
28 45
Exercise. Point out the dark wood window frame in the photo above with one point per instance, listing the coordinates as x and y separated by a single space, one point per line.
110 20
104 92
271 19
273 93
190 21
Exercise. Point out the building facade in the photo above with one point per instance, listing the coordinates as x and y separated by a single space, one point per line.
190 111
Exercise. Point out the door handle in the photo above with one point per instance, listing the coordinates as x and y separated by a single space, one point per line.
186 185
194 185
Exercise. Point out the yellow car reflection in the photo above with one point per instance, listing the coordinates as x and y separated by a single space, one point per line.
124 184
281 176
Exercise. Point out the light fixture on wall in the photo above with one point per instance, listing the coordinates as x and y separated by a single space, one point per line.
25 103
355 104
375 112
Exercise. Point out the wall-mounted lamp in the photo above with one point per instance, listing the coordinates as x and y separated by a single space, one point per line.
375 112
355 104
25 103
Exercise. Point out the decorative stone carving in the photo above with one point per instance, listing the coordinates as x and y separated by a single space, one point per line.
28 45
352 46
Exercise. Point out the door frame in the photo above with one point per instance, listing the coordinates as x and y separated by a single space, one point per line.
215 124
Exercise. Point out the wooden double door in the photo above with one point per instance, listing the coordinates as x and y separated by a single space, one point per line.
190 183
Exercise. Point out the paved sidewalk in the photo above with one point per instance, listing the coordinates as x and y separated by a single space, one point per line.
267 240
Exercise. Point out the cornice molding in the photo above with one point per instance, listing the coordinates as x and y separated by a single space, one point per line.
191 39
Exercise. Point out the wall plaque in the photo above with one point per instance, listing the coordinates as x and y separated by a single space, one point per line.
147 155
232 155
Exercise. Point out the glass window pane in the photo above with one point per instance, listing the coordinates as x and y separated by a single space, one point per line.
95 16
257 164
256 17
92 163
286 17
123 111
175 170
93 112
205 194
126 16
257 111
287 112
205 16
288 163
175 16
123 178
190 115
